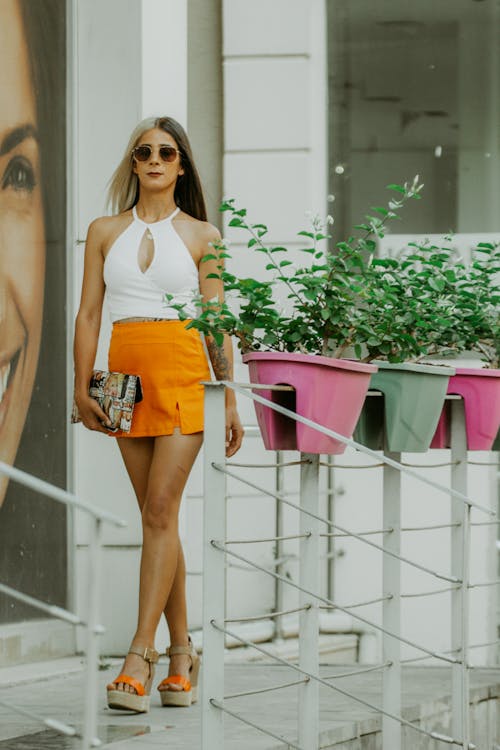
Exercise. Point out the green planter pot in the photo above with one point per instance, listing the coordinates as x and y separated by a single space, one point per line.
413 400
370 427
496 444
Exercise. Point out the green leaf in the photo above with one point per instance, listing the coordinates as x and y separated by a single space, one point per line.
397 188
437 284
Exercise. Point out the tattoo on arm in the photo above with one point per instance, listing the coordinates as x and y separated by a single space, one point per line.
220 363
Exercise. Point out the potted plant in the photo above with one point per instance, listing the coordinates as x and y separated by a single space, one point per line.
304 321
452 308
300 323
474 303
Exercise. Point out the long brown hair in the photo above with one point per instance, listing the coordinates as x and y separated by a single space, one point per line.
124 185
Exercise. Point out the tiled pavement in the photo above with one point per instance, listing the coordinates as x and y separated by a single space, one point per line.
60 697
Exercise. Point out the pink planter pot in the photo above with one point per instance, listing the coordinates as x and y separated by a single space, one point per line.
480 390
329 391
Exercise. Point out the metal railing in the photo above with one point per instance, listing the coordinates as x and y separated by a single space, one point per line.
217 549
91 623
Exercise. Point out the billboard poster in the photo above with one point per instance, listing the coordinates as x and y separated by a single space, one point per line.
33 535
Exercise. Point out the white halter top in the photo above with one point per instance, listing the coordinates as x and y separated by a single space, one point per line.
134 293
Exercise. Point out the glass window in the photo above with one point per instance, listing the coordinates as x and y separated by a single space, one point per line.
414 89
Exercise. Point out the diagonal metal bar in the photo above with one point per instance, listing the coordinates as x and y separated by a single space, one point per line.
422 658
50 609
55 724
56 493
322 681
288 743
482 645
358 446
381 548
379 599
222 548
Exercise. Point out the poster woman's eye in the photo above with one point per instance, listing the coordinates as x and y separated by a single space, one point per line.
19 175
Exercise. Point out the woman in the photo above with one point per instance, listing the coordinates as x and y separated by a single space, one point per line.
152 247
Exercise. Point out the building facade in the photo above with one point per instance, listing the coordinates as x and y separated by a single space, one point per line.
286 102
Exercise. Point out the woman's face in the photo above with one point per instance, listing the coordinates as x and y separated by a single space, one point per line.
154 174
22 242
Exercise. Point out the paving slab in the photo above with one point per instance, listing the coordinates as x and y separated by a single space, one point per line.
60 696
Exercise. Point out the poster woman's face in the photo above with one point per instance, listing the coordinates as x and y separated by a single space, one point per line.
22 243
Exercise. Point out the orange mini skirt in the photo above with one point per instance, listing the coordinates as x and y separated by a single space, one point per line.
171 362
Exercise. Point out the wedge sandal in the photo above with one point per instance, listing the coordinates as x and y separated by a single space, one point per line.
138 701
189 685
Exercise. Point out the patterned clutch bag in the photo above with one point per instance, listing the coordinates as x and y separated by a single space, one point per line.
116 393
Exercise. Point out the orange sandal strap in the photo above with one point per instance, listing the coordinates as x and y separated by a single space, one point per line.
176 679
125 679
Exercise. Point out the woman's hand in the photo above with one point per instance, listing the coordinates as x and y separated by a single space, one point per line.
234 431
92 415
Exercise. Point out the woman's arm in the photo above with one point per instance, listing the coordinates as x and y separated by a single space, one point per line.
87 325
221 356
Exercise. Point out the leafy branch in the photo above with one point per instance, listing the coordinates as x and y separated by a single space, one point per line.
348 302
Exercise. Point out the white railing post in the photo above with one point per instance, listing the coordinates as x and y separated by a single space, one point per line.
279 593
309 578
214 573
391 608
94 630
460 539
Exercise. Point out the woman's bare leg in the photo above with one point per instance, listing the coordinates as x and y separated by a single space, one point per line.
176 609
138 464
170 462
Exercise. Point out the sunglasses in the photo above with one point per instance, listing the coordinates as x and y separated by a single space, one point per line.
143 153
